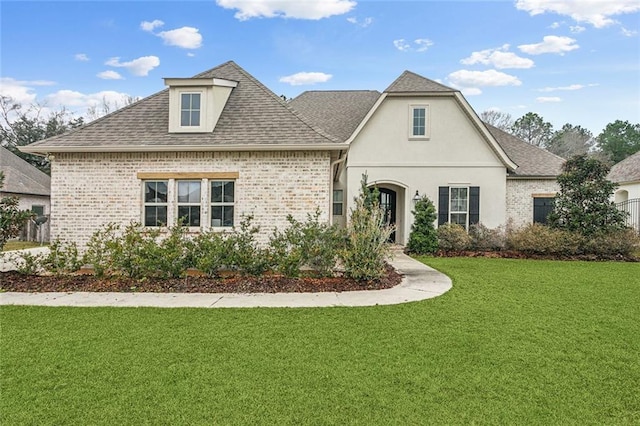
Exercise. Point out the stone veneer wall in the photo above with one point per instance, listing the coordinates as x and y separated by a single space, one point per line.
89 190
520 193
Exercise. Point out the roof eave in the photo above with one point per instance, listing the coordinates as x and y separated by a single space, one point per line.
528 177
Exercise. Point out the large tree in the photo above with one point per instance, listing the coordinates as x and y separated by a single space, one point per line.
499 119
533 129
619 140
11 218
21 126
571 141
583 203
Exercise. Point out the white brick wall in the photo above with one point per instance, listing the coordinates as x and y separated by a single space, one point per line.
91 189
520 194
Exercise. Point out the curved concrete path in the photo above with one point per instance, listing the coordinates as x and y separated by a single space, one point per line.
420 282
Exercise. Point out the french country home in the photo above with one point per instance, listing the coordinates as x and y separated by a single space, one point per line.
210 149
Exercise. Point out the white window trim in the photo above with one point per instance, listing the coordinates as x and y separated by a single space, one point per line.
200 115
189 204
146 204
334 202
427 124
466 226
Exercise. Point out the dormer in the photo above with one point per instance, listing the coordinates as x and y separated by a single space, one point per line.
195 104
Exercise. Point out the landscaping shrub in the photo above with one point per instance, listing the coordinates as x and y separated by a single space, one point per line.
453 237
536 238
11 218
63 258
312 244
620 242
244 255
367 237
486 239
100 248
210 252
28 263
423 238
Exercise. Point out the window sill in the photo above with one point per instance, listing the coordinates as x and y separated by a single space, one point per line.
419 138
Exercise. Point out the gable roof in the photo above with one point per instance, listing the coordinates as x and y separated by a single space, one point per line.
21 177
410 82
253 117
531 160
628 170
336 111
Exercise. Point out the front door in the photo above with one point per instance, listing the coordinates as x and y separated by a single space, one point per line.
388 204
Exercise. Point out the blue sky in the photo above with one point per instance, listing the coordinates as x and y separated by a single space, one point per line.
569 61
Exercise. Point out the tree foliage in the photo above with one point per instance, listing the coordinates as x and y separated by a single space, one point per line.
11 218
533 129
571 141
423 238
20 126
499 119
583 204
619 140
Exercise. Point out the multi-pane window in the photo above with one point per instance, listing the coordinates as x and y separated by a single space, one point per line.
459 206
337 202
542 206
190 109
222 203
155 203
419 127
188 195
37 210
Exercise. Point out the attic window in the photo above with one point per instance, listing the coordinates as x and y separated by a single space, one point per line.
419 123
190 109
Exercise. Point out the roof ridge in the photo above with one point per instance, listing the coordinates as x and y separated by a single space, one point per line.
406 73
523 141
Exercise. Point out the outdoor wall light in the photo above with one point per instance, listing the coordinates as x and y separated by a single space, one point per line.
416 197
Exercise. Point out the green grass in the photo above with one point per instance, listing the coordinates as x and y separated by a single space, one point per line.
19 245
514 342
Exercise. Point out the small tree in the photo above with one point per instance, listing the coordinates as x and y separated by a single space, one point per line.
583 204
11 218
423 238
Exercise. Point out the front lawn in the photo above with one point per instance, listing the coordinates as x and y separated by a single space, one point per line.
19 245
514 342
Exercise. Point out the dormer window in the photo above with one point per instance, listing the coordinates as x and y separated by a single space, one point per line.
419 123
195 104
190 109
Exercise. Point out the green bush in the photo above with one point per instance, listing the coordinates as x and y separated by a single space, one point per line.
540 239
244 255
620 242
452 238
423 238
27 263
63 258
486 239
305 244
210 252
100 248
367 237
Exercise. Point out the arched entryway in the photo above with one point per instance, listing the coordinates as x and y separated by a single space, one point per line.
393 199
388 203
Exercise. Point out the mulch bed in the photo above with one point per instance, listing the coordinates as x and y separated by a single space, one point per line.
14 281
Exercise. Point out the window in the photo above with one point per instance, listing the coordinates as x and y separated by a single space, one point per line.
222 203
38 210
459 205
155 203
542 206
419 122
190 109
337 202
189 202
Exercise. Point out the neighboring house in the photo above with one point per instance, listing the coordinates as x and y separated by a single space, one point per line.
627 175
24 181
220 145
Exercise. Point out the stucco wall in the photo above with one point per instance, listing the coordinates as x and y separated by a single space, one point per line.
90 190
520 194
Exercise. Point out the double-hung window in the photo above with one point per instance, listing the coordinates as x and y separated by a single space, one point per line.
190 109
188 196
419 122
337 202
459 206
222 203
155 203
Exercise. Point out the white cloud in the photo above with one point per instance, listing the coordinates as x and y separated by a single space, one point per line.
364 23
21 91
110 75
628 33
79 102
576 29
81 57
595 12
303 78
548 99
309 9
139 67
550 44
556 25
191 54
570 87
420 45
470 82
500 58
185 37
150 26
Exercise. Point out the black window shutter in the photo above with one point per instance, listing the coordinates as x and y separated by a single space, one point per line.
474 205
443 205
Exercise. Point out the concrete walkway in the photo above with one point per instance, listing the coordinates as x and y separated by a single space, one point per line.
420 282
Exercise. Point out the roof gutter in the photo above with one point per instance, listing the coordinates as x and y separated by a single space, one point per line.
45 150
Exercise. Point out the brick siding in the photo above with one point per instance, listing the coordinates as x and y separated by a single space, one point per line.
520 198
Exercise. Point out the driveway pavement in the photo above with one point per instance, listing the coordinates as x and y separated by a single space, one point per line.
420 282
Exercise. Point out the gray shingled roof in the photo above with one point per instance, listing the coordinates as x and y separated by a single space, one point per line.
253 115
337 112
409 82
531 160
628 170
21 177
